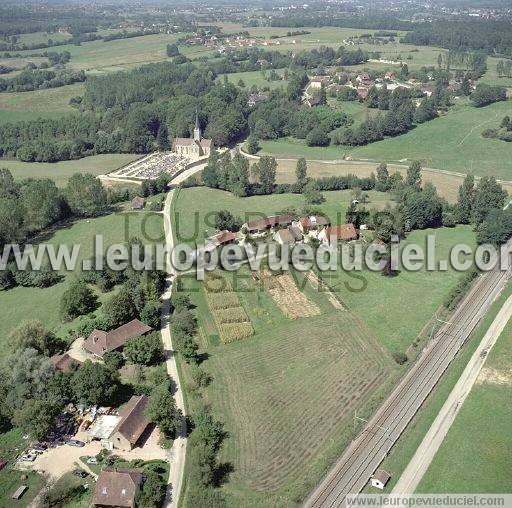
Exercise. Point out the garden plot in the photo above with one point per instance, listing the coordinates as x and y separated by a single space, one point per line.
292 302
229 315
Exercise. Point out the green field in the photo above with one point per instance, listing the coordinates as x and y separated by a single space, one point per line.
452 142
477 452
287 394
404 449
21 303
50 103
61 171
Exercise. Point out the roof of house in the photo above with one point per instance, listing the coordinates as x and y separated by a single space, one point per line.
138 201
133 420
117 487
268 222
222 237
343 232
313 221
64 362
382 476
285 236
313 101
100 342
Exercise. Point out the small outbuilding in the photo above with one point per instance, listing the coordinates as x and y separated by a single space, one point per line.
138 203
380 478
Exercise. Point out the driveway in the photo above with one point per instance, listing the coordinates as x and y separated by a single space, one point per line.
77 352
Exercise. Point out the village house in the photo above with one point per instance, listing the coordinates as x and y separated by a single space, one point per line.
318 81
195 147
138 203
335 234
259 226
223 238
258 98
312 101
117 487
307 224
284 237
100 342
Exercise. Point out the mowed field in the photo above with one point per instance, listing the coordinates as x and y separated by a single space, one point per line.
452 142
476 455
21 303
50 103
287 394
60 172
447 184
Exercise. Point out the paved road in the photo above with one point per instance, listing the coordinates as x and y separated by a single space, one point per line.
353 470
425 453
177 453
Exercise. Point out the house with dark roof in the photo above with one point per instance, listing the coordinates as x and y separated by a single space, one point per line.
100 342
313 222
64 363
380 478
132 424
117 487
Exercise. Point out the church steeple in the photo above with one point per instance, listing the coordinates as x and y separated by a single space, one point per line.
197 129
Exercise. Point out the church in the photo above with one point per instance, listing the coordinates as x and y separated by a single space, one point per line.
195 147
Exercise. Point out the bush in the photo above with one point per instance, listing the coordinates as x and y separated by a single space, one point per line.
146 350
77 301
400 358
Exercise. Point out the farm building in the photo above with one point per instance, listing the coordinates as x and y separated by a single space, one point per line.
132 424
257 98
117 487
262 225
223 238
380 478
100 342
318 81
335 234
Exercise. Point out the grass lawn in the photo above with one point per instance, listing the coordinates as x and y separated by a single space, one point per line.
205 202
406 446
50 103
20 303
61 171
477 451
452 142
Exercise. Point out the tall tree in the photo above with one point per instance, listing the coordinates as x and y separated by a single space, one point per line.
85 195
301 172
466 200
266 170
489 195
382 183
413 178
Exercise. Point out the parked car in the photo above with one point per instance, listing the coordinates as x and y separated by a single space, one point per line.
28 457
80 473
75 442
92 460
39 447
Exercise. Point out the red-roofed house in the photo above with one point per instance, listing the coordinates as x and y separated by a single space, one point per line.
132 424
333 235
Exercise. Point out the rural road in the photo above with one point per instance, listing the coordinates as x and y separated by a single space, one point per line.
425 453
177 454
360 460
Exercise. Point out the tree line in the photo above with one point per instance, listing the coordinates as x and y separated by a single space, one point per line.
37 79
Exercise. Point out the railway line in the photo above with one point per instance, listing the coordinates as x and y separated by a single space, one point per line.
361 459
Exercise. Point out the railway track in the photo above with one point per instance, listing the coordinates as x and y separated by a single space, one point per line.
361 459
